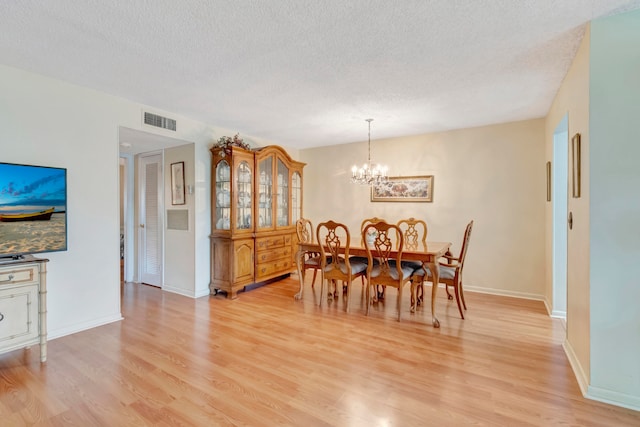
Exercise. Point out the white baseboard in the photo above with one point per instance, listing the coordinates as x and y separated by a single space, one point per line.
505 293
202 292
562 315
183 292
583 380
79 327
613 398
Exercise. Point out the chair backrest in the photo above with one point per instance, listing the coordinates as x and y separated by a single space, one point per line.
334 240
366 222
465 243
414 232
387 236
304 230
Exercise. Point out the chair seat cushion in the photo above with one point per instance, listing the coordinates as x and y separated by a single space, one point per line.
363 259
315 261
412 264
393 271
356 266
445 272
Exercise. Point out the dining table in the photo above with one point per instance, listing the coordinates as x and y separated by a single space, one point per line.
428 253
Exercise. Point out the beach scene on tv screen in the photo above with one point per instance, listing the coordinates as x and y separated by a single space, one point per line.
32 209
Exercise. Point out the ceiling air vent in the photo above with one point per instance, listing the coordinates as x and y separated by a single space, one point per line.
159 121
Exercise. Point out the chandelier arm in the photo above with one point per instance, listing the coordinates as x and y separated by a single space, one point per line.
367 174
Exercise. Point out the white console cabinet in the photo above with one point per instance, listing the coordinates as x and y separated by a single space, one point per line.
23 304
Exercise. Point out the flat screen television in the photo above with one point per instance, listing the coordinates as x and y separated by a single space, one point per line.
33 210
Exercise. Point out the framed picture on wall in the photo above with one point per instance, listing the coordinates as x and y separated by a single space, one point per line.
177 184
404 189
548 181
575 165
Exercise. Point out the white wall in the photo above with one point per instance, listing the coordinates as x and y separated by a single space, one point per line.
615 209
494 175
48 122
179 252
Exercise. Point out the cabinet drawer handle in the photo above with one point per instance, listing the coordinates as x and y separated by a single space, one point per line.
1 317
11 276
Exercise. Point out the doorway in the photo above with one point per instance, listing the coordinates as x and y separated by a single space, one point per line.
559 203
133 145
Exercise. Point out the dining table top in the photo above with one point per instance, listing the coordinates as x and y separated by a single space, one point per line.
409 252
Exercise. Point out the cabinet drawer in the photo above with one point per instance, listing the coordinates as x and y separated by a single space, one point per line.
18 314
20 275
273 268
274 254
264 243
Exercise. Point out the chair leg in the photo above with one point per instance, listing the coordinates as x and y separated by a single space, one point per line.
313 281
414 296
348 294
399 304
449 296
368 296
419 293
464 304
380 290
330 294
321 289
457 292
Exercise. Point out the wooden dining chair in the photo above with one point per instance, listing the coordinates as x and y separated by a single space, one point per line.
414 232
450 272
311 260
388 270
363 224
335 240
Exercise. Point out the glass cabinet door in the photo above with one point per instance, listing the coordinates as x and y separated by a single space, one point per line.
265 189
223 196
243 204
283 194
296 197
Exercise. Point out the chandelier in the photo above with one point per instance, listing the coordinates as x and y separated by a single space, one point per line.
369 174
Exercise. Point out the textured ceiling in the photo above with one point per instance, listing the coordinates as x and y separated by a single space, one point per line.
305 73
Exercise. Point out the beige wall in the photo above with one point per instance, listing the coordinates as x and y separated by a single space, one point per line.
494 175
573 98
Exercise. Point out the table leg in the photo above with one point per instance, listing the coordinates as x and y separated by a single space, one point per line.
435 274
299 261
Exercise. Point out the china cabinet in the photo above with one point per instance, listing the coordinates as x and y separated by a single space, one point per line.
23 304
256 198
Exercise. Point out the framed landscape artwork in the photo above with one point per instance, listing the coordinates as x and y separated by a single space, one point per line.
404 189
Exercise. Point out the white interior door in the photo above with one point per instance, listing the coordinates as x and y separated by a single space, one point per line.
151 220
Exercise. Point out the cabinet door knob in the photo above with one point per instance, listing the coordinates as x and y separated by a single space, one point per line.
1 317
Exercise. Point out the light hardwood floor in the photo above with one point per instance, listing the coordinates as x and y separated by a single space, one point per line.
265 360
